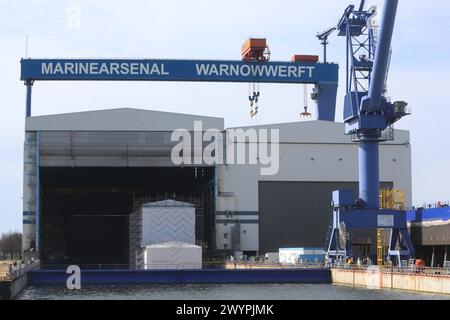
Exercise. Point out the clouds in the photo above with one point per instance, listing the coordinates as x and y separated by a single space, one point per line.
211 29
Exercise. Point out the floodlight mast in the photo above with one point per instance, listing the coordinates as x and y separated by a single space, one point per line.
323 37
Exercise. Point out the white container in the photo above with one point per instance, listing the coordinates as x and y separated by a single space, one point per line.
170 256
296 255
290 255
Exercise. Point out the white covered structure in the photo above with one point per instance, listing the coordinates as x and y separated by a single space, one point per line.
170 256
168 220
161 222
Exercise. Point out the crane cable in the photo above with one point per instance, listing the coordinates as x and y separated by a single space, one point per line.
253 96
305 114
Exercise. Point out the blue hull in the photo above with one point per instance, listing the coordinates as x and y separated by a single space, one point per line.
98 277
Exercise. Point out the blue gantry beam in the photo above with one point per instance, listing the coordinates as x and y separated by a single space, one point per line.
323 75
177 70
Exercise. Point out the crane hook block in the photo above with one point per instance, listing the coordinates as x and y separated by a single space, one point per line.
305 114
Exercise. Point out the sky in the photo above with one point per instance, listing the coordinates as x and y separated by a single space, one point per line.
210 29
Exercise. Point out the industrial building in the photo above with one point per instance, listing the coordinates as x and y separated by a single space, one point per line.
86 172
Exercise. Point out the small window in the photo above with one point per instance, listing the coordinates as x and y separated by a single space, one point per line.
225 235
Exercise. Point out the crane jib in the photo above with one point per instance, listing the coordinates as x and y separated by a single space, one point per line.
177 70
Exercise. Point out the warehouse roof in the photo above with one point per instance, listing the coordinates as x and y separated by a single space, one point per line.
122 119
320 132
129 119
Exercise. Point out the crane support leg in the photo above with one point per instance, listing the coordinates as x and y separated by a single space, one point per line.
334 248
326 100
352 217
29 86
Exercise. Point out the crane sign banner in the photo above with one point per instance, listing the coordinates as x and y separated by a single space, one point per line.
177 70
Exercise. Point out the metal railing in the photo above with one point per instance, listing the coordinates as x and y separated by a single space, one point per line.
91 266
412 270
437 205
229 264
118 266
274 265
387 134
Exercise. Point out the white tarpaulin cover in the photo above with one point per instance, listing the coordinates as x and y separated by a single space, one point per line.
169 256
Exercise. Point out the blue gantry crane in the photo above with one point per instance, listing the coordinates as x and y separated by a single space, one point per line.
367 114
254 68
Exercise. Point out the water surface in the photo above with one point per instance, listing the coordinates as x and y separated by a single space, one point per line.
223 292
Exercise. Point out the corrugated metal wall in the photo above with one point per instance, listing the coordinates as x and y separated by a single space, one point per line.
107 148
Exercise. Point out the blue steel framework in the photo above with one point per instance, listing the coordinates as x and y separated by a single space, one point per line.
366 114
323 75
